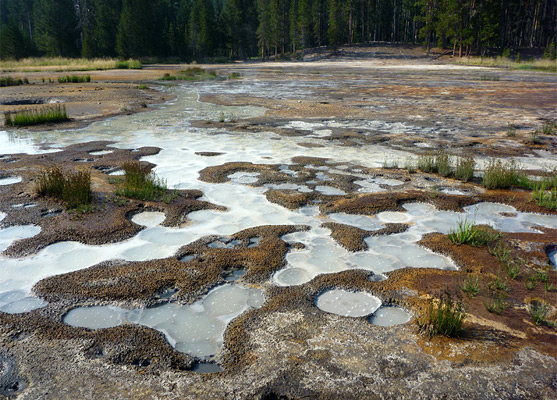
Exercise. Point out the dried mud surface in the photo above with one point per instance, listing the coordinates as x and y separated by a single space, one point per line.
290 349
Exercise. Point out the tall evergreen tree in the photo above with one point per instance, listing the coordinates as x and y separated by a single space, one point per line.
56 27
135 29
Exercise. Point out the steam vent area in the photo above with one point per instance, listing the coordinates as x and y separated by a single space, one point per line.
357 225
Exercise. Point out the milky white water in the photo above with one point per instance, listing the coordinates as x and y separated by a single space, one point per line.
170 129
196 329
389 316
348 304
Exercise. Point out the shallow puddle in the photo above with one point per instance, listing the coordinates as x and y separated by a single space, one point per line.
195 329
348 304
390 316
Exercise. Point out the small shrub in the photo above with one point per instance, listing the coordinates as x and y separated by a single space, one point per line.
142 87
54 113
140 184
464 169
443 318
74 189
471 286
503 175
234 75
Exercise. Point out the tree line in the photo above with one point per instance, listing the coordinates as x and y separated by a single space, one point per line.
190 29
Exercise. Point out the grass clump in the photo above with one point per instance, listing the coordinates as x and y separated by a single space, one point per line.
511 131
54 113
464 234
503 175
496 305
74 189
426 163
464 169
549 128
471 286
142 87
443 318
545 198
234 75
498 284
9 81
539 312
191 74
74 79
128 64
141 184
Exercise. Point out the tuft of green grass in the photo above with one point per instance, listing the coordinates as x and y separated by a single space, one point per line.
140 184
471 286
549 127
128 64
498 284
192 74
443 164
390 163
409 165
464 169
464 234
496 305
74 79
142 87
545 198
511 131
426 163
235 75
531 282
503 175
443 318
9 81
54 113
539 312
74 189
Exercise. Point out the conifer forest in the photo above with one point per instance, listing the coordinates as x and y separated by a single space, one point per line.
241 29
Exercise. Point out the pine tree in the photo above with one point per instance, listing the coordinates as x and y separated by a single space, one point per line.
12 42
135 30
55 27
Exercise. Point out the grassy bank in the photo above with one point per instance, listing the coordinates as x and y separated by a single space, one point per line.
66 64
505 62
